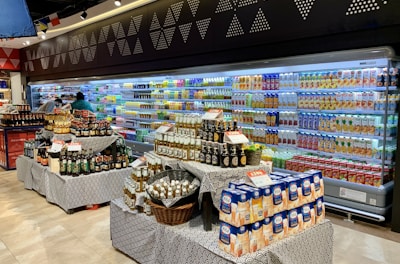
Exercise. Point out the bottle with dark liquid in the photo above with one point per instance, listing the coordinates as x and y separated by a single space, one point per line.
211 129
242 157
233 157
69 163
221 132
216 131
224 156
63 162
215 158
202 155
92 161
208 153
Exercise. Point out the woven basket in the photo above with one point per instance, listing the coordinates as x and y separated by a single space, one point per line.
173 215
175 175
253 157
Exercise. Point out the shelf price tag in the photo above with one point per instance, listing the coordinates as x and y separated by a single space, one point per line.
164 128
56 146
139 162
235 137
259 178
75 146
213 114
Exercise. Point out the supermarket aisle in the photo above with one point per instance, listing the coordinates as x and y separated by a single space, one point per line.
34 231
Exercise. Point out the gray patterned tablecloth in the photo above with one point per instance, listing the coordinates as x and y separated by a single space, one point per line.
97 144
147 241
71 192
214 179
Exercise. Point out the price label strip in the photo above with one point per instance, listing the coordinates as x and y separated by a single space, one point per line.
57 146
213 114
75 146
259 178
164 128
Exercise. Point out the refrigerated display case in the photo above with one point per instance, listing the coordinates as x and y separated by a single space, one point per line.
329 110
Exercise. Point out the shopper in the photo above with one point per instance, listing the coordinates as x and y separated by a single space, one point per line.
80 103
49 106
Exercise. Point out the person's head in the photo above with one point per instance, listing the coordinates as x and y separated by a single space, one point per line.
58 102
80 96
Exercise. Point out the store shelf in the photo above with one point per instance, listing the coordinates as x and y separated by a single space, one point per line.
348 111
318 90
149 120
161 110
347 156
338 134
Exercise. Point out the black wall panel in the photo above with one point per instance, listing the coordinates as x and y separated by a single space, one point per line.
172 34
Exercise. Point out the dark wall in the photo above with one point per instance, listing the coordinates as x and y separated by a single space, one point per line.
173 34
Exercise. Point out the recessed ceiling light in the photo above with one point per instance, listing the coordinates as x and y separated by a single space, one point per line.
117 3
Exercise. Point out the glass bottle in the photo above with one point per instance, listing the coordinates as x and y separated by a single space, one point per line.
192 148
242 158
92 161
63 162
215 158
69 163
208 153
233 158
202 156
197 150
224 156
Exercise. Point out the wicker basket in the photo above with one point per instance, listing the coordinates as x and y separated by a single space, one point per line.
253 157
173 215
175 175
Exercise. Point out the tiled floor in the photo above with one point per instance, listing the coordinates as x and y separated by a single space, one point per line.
34 231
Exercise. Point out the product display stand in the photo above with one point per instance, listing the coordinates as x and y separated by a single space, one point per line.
146 241
12 143
213 181
71 192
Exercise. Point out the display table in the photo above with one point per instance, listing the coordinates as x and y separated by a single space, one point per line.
142 238
71 192
213 180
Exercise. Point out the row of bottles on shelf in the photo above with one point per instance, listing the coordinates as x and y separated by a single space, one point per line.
371 125
369 100
18 120
56 88
354 78
347 101
342 169
353 124
215 93
361 147
193 82
184 106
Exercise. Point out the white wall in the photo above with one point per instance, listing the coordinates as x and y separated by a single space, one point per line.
16 88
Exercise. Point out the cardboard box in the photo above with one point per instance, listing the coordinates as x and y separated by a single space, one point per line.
234 240
54 165
235 207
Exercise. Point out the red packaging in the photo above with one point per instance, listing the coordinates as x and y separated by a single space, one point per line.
358 166
377 179
360 177
300 167
295 165
343 174
351 166
351 175
368 178
328 172
335 173
288 164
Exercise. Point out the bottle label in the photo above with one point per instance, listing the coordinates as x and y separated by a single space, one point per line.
243 160
184 154
208 158
202 157
197 155
192 154
214 160
216 137
226 161
235 161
